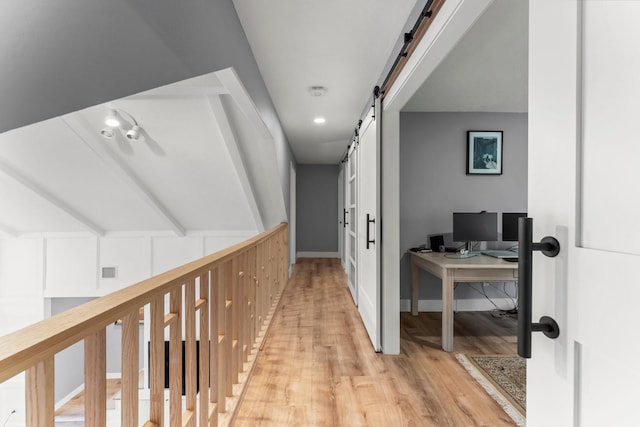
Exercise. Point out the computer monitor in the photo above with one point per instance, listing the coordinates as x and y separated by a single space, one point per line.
475 227
510 225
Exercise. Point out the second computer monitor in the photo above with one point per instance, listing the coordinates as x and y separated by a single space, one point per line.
475 226
510 225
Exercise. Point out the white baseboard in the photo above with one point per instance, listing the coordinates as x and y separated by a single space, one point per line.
68 397
318 255
74 393
472 304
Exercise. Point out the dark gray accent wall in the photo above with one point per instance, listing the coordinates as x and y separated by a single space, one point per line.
434 183
317 208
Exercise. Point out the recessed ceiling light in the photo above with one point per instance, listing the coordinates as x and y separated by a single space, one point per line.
317 90
319 120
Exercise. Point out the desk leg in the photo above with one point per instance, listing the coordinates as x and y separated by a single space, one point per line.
447 313
414 288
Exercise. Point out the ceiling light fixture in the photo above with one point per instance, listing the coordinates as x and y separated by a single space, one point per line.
112 119
319 120
107 133
317 90
133 133
120 119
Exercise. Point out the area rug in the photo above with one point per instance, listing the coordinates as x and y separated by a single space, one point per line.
504 378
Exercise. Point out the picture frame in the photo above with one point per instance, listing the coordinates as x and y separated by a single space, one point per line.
484 152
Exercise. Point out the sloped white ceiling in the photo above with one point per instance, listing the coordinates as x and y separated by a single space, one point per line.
487 70
61 175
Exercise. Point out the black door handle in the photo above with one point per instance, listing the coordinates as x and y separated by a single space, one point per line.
344 218
369 222
550 247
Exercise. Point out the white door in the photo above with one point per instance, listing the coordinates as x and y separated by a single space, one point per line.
351 241
368 223
292 217
342 218
584 174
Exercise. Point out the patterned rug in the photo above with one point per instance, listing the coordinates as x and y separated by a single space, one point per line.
504 378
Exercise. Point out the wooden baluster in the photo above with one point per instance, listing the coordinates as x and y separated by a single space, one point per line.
214 347
39 392
264 281
95 379
130 368
235 319
243 342
203 306
228 329
223 334
156 362
216 304
174 319
267 277
253 326
259 286
190 351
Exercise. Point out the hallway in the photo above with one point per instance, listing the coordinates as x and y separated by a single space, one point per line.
317 366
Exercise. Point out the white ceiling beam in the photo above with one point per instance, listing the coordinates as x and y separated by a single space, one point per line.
231 142
89 136
8 231
178 91
41 192
259 153
229 78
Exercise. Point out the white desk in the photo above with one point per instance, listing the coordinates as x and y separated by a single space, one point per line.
479 268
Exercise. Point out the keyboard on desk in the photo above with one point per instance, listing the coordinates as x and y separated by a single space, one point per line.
502 254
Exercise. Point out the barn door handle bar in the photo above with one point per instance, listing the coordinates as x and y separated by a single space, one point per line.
550 247
369 222
344 218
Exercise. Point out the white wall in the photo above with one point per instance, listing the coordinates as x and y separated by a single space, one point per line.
21 278
21 304
72 263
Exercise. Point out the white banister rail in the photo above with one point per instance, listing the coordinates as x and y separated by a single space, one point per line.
225 299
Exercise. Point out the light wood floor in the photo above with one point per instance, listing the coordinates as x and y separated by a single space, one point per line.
317 367
75 406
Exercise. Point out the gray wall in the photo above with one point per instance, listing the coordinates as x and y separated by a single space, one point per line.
317 208
434 183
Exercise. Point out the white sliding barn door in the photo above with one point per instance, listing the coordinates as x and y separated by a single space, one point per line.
584 151
350 236
368 226
341 218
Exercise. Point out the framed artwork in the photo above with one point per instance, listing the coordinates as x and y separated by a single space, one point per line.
484 152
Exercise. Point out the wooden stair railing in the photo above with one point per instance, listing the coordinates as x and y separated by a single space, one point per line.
229 295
